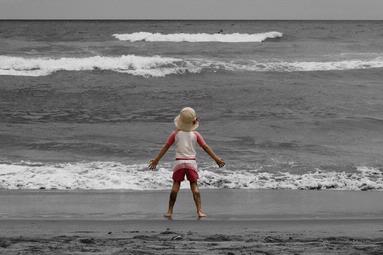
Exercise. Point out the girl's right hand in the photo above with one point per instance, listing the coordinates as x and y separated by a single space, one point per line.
153 164
220 162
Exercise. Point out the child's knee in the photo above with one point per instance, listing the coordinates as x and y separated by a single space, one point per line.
194 188
176 187
196 192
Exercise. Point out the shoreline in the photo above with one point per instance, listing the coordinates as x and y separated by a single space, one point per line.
367 228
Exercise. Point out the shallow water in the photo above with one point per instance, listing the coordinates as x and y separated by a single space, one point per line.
227 205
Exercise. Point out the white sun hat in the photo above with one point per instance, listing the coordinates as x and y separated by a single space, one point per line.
187 120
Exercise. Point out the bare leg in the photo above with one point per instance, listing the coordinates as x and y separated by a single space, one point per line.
172 198
197 199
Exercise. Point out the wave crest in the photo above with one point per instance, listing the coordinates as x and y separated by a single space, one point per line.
115 175
158 66
155 66
198 37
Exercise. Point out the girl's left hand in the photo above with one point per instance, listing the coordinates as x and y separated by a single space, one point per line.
220 162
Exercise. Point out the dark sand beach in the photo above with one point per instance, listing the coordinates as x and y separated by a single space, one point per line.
239 222
192 237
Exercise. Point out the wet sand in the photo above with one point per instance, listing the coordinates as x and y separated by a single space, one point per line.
191 237
32 224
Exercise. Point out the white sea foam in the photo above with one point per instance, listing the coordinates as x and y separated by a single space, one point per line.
155 66
284 66
158 66
114 175
198 37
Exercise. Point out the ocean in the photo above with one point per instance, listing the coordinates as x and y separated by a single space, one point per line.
286 104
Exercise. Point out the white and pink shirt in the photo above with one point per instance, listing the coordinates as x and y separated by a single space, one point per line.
185 143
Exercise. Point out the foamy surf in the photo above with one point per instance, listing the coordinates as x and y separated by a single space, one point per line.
155 66
159 66
115 175
198 37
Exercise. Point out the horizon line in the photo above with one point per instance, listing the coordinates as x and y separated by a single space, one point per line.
128 19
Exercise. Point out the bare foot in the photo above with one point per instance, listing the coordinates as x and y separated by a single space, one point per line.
201 214
168 215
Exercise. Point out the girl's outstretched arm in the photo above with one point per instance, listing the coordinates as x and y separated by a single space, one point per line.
211 153
154 162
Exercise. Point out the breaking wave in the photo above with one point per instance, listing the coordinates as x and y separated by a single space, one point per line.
115 175
155 66
158 66
198 37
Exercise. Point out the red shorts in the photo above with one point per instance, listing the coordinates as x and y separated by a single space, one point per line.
191 175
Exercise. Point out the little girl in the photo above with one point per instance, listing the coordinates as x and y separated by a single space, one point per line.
185 139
